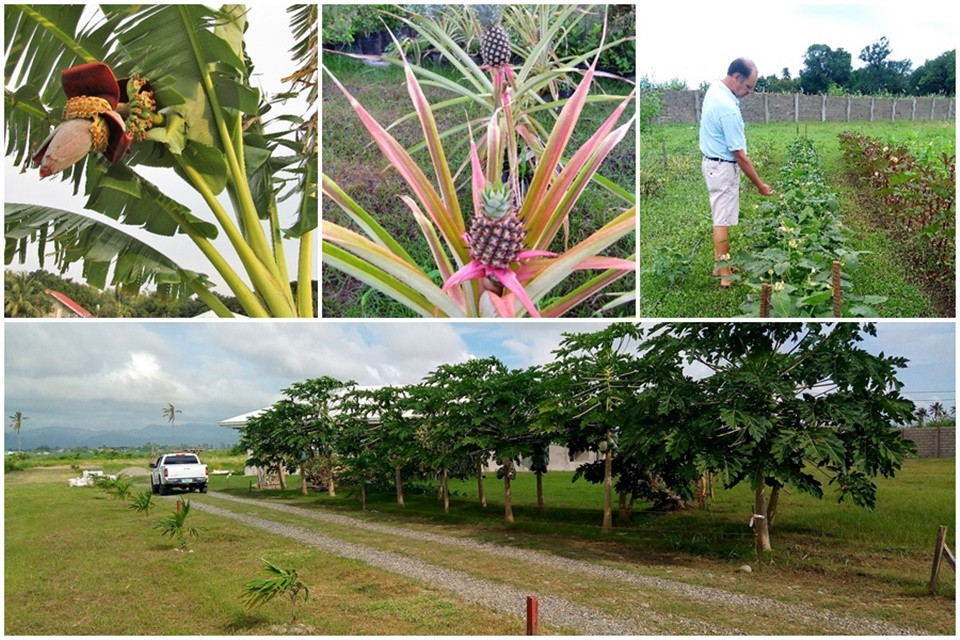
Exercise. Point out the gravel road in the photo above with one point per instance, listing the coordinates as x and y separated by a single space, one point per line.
508 599
499 597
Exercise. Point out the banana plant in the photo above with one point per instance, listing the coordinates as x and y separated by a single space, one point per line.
478 280
160 86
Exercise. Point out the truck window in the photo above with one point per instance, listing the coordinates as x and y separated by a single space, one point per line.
182 460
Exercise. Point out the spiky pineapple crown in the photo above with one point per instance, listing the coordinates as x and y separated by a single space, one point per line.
488 14
497 200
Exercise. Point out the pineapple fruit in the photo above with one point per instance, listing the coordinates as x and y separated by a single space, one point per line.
496 234
494 41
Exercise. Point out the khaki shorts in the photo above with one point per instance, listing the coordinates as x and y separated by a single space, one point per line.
723 186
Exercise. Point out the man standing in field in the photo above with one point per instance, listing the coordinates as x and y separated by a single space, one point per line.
724 147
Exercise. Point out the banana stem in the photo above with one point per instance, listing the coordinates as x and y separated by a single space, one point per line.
254 232
263 281
305 276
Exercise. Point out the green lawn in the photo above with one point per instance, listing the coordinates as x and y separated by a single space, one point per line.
351 159
80 563
64 544
677 216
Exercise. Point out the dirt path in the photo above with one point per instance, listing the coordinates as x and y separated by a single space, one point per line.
479 589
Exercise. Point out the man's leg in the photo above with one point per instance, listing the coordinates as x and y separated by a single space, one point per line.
721 249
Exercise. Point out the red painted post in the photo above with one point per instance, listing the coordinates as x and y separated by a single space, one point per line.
533 616
178 505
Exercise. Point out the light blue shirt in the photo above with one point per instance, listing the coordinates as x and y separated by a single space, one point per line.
721 123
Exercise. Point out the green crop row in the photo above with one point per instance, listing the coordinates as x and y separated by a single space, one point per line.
794 242
914 199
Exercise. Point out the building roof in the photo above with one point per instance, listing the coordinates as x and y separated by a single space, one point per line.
240 421
69 303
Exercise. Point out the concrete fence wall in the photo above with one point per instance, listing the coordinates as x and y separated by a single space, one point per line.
939 442
681 107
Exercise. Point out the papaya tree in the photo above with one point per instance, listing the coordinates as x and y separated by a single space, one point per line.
278 440
317 398
395 439
780 405
95 95
451 395
594 382
357 442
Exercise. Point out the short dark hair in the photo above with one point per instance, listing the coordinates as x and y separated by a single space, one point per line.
741 66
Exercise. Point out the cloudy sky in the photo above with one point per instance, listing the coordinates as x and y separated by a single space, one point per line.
696 41
268 40
119 375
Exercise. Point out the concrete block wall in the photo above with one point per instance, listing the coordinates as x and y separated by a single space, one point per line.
683 107
933 442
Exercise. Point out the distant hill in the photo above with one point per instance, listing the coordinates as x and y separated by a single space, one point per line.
64 437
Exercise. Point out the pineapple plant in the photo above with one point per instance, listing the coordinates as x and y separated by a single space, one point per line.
496 234
494 41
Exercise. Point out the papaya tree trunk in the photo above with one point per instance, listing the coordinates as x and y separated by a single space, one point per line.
540 506
483 498
772 506
507 502
445 492
303 478
607 491
399 483
622 507
363 497
331 481
761 532
282 476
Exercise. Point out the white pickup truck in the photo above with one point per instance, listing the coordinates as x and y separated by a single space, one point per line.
178 471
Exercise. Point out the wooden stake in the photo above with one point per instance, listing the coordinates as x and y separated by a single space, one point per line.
765 293
939 552
533 616
837 293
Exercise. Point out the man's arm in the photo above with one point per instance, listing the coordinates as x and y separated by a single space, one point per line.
743 161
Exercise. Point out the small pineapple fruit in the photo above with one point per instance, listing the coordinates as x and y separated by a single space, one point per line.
496 234
494 41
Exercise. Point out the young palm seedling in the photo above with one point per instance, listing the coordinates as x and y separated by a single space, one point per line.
282 582
175 525
142 503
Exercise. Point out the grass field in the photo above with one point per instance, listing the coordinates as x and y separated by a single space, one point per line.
678 215
349 156
79 562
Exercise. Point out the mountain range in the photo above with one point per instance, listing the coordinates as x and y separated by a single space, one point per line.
195 434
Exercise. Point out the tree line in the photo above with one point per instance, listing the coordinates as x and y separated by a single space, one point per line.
25 297
771 406
830 71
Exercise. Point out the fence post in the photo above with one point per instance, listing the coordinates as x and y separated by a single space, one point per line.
937 559
837 294
913 110
933 107
849 105
663 152
893 111
796 107
873 104
765 300
766 107
823 109
533 616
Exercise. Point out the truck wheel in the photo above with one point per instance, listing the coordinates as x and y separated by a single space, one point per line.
203 488
164 490
153 488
